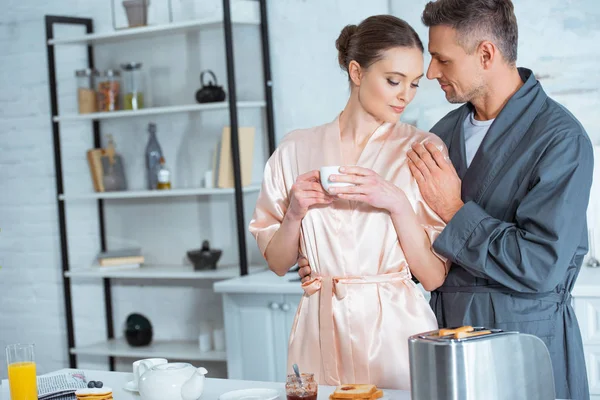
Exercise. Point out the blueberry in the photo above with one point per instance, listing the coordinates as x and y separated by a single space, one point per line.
91 384
99 384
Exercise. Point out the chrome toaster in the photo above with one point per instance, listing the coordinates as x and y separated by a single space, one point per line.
470 363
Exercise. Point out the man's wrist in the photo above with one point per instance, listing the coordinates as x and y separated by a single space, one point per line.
452 210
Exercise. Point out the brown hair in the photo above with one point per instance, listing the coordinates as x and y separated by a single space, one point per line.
477 20
366 42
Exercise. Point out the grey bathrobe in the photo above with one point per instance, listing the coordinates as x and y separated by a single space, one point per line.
518 243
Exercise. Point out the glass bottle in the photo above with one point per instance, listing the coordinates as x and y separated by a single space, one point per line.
113 169
163 176
133 86
86 93
153 155
107 94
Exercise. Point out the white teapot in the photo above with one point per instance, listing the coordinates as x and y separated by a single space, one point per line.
173 381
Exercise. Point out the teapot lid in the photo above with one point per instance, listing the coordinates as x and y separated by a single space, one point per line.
172 366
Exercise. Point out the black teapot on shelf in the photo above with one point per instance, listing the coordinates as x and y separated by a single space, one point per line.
211 92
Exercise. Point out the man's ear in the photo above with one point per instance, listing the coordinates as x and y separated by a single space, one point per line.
487 53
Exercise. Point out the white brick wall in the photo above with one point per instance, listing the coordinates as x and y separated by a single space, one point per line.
309 89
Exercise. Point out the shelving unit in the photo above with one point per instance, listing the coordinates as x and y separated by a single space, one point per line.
185 272
157 111
170 349
175 349
140 194
150 31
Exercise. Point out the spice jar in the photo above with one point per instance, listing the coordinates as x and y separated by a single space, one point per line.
133 86
86 95
108 90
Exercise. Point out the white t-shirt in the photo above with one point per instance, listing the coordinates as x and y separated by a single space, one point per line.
475 131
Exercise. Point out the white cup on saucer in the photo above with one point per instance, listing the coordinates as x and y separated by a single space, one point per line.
326 172
150 362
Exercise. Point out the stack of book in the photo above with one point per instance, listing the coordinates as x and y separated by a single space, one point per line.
123 258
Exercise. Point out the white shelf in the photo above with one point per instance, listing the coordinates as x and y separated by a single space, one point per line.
152 31
162 272
140 194
222 105
177 350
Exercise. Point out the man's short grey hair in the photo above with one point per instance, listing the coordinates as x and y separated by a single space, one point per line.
476 21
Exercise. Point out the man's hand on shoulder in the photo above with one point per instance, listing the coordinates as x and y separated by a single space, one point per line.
438 181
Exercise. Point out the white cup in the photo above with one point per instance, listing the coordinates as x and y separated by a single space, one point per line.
208 179
325 172
219 339
148 363
205 342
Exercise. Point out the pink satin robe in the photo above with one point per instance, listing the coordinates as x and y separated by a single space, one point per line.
354 320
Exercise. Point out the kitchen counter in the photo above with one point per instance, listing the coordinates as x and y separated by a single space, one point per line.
212 390
267 282
264 282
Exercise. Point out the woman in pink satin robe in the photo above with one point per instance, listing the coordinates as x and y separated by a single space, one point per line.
365 241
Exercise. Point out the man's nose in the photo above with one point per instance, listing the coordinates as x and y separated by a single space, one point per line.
433 72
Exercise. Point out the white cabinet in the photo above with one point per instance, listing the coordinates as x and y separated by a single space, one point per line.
257 329
587 309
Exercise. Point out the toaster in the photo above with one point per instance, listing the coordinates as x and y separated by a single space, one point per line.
475 363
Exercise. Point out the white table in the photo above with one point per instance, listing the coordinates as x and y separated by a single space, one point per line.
212 390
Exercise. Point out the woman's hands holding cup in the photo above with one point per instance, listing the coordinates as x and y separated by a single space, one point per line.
305 193
368 187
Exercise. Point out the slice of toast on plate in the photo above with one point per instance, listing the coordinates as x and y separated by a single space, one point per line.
357 392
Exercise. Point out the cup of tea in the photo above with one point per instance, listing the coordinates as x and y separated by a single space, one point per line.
326 172
307 389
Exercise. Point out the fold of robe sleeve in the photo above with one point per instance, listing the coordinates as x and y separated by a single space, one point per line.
271 205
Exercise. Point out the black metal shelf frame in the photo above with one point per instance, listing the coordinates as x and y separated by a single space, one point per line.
51 21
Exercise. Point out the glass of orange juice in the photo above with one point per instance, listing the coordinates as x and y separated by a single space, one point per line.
22 377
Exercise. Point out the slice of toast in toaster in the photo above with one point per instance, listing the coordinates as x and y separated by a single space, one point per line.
462 335
445 332
354 391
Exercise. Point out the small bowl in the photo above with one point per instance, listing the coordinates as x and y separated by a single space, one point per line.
204 260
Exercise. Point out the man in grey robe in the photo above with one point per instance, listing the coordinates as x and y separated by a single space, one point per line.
514 193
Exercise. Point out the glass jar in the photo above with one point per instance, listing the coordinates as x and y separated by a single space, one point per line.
308 390
86 95
133 86
108 90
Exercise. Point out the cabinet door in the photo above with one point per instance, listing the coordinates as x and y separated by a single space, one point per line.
286 315
592 362
587 310
251 327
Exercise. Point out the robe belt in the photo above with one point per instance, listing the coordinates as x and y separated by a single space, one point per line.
335 285
562 297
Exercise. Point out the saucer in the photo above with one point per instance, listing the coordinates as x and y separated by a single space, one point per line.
251 394
130 387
